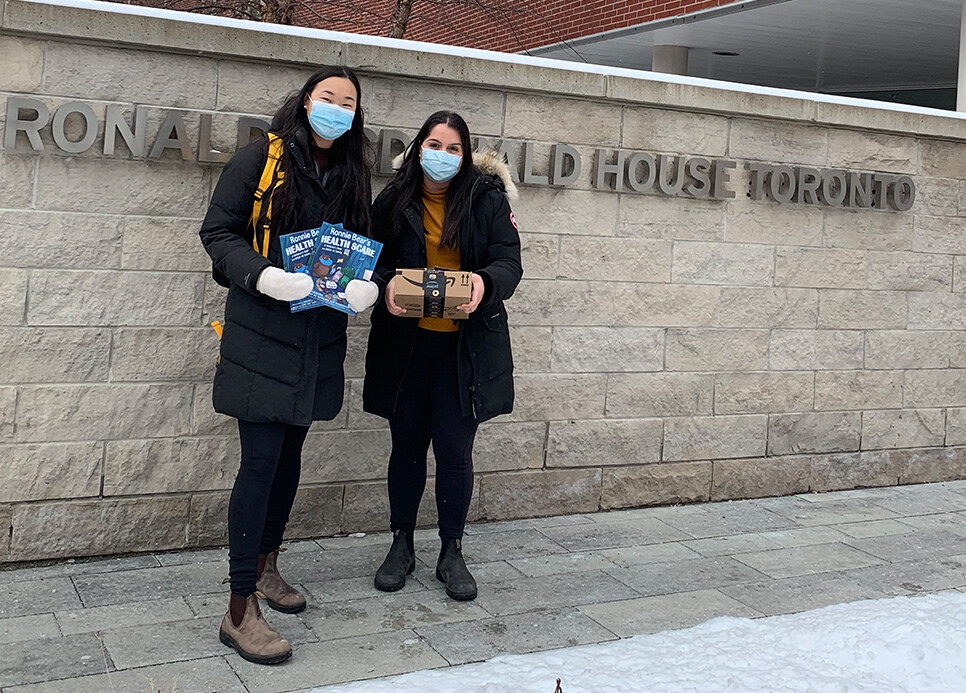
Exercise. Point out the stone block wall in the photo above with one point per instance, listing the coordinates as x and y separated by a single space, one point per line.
667 349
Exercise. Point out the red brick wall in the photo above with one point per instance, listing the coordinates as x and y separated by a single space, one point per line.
502 25
517 25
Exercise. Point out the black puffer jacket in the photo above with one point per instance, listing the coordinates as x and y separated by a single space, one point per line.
275 365
489 246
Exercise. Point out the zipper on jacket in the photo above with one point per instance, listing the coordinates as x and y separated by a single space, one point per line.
408 213
465 250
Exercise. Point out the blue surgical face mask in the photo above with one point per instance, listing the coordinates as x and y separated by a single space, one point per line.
330 121
439 165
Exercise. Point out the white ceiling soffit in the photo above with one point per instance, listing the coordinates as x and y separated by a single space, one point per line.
814 45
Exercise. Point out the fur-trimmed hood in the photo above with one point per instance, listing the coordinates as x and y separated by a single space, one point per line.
488 162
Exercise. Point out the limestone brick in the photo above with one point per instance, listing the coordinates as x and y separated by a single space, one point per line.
607 349
761 307
903 428
910 272
675 218
762 393
868 230
50 471
791 350
604 443
48 413
541 493
856 310
759 478
618 259
23 61
156 354
566 212
407 103
814 432
775 224
820 268
790 143
561 120
655 484
98 527
714 437
723 263
98 298
45 240
872 151
659 394
935 388
54 355
136 467
548 397
844 390
509 446
117 74
651 129
540 255
713 350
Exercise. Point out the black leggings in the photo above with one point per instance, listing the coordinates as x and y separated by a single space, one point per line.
262 497
429 410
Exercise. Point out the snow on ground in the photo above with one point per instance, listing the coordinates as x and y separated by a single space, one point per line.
900 645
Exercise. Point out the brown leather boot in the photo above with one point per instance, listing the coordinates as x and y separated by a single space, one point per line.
280 595
253 638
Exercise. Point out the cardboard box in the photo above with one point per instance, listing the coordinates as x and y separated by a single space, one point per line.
433 293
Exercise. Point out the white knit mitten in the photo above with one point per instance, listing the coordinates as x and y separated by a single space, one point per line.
361 294
282 285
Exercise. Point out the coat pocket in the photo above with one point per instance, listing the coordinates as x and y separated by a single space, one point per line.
497 338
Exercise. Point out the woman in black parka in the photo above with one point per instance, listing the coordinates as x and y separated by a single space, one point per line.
279 371
436 380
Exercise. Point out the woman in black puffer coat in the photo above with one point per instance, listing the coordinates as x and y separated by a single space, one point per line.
279 371
434 379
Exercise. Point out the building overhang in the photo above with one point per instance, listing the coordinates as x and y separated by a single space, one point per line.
827 46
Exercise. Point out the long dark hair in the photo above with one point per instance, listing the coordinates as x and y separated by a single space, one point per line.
408 181
349 158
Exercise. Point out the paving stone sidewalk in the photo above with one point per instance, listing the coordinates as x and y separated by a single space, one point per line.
149 623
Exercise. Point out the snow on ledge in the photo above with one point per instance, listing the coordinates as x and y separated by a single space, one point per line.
493 56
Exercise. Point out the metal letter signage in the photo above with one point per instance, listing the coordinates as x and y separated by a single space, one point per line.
554 164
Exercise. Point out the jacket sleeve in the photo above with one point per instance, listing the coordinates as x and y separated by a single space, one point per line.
223 231
381 231
503 269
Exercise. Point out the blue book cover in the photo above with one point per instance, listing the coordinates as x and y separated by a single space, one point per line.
297 249
337 257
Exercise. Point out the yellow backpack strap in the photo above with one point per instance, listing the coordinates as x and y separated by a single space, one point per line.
270 180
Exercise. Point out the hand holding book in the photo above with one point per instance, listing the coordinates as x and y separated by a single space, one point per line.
332 258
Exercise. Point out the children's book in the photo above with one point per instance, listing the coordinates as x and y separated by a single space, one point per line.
332 256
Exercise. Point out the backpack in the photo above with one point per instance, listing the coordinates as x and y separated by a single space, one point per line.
261 219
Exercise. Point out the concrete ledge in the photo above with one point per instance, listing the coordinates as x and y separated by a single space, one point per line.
20 17
478 72
709 99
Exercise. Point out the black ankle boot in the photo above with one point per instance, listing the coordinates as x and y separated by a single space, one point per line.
451 571
400 562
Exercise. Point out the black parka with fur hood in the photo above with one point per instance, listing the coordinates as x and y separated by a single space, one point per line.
489 246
